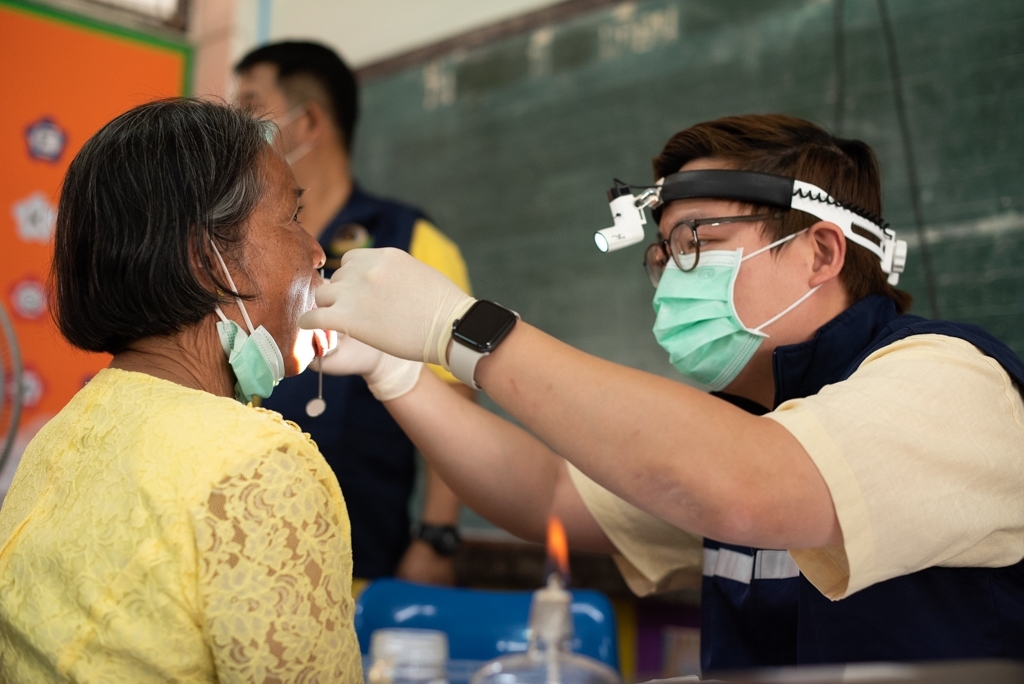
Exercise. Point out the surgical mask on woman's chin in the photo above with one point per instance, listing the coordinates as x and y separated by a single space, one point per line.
696 320
255 357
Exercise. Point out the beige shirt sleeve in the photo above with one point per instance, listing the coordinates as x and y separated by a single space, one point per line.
653 555
922 450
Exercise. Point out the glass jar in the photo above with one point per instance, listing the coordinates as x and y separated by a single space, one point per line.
408 656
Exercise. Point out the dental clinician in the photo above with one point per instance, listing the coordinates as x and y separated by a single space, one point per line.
853 473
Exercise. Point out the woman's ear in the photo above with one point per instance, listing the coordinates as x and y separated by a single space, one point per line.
829 245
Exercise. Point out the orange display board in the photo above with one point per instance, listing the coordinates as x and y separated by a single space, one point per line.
63 77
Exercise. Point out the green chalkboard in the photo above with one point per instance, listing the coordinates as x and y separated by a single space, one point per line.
510 146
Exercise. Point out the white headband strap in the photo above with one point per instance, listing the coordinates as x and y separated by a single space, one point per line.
892 253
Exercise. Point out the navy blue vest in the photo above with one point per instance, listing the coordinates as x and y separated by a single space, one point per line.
371 456
757 611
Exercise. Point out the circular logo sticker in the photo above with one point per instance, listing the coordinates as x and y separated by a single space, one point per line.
46 140
32 388
36 218
28 298
345 238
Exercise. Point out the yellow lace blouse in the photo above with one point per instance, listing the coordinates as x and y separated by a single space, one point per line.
159 533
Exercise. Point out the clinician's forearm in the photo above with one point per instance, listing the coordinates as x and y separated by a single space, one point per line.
691 459
496 468
440 503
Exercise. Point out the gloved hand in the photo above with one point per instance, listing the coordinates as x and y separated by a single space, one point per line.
388 377
389 300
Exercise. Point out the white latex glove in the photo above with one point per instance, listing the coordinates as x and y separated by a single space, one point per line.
389 300
388 377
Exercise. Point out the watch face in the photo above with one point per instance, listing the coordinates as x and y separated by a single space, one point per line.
448 544
484 326
443 538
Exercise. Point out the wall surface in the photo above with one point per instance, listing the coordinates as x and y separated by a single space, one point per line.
211 32
365 31
60 104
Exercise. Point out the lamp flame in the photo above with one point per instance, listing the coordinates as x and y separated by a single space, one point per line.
558 550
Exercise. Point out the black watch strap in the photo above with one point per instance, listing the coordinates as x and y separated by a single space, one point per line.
444 539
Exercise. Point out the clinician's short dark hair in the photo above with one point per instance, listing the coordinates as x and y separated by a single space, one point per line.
295 59
139 205
788 146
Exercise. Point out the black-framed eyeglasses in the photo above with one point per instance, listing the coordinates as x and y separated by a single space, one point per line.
683 241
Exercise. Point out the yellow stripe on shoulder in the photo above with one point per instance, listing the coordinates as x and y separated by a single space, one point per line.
440 372
436 250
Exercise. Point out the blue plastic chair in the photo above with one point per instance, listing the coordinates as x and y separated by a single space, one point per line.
481 625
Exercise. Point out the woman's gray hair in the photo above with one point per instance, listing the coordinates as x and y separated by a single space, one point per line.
140 204
238 203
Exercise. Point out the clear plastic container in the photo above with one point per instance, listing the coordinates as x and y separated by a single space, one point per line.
408 656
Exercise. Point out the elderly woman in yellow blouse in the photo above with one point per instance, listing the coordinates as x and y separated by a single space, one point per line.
158 528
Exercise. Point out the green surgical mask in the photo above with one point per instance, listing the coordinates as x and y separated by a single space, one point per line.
255 357
696 320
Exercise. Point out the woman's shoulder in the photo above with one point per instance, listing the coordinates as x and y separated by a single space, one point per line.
165 420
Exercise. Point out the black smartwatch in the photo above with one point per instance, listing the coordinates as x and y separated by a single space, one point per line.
444 539
477 334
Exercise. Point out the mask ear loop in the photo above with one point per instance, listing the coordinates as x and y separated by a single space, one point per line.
787 309
272 127
299 152
771 246
795 304
291 117
234 291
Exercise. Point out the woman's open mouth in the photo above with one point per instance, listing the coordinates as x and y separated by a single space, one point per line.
324 341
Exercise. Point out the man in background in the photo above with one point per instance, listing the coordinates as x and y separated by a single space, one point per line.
312 97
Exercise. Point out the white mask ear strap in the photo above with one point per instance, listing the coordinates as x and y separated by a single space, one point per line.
299 152
292 115
773 245
234 290
787 309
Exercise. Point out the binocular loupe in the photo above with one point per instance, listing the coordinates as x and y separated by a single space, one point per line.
627 216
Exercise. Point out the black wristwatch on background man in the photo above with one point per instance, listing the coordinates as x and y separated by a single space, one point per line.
444 539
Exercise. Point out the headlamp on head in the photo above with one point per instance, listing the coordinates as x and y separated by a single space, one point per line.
761 189
627 216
